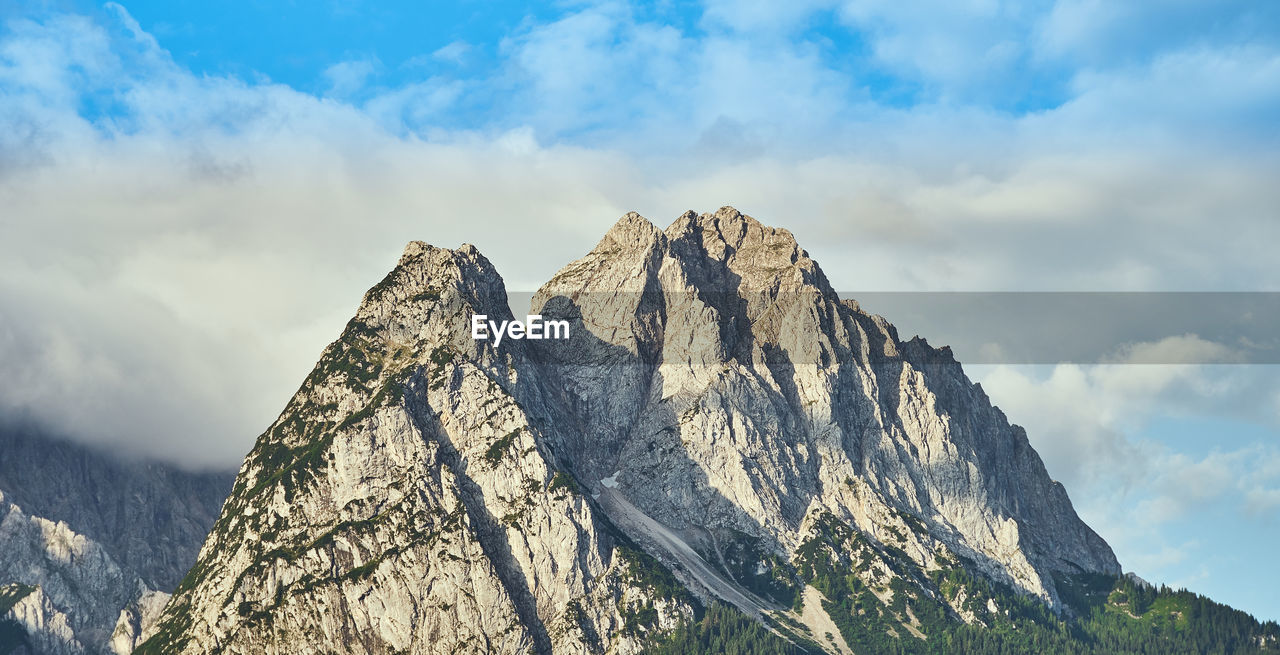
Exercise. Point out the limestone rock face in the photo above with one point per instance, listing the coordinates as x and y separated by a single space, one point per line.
72 572
94 535
137 621
149 516
717 416
46 630
733 395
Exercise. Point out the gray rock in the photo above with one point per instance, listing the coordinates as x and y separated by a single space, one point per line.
48 630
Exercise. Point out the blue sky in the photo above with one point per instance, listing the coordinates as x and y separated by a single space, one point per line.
195 196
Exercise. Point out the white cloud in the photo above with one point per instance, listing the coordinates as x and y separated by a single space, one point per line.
955 50
1263 502
1111 34
1005 53
602 73
454 51
1083 419
348 77
411 107
580 73
1182 349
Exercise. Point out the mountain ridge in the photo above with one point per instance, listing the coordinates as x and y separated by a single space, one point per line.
719 429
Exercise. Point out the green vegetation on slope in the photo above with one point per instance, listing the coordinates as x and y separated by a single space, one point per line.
723 630
763 573
1108 614
645 572
883 602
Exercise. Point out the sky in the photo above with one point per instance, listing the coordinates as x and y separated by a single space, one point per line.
193 198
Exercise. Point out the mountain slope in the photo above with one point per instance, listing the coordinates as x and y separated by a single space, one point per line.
723 452
97 540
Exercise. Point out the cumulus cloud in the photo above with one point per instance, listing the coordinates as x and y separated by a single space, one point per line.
1083 418
954 48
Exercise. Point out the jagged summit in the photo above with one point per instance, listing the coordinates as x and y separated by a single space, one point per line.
731 227
631 232
718 427
725 229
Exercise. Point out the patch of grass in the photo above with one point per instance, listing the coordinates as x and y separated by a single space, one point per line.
563 482
499 448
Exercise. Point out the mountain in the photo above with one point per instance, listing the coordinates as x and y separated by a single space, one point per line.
723 456
90 543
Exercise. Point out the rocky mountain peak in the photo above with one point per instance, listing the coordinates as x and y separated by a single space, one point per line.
738 326
736 230
428 298
424 273
730 250
414 249
632 232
